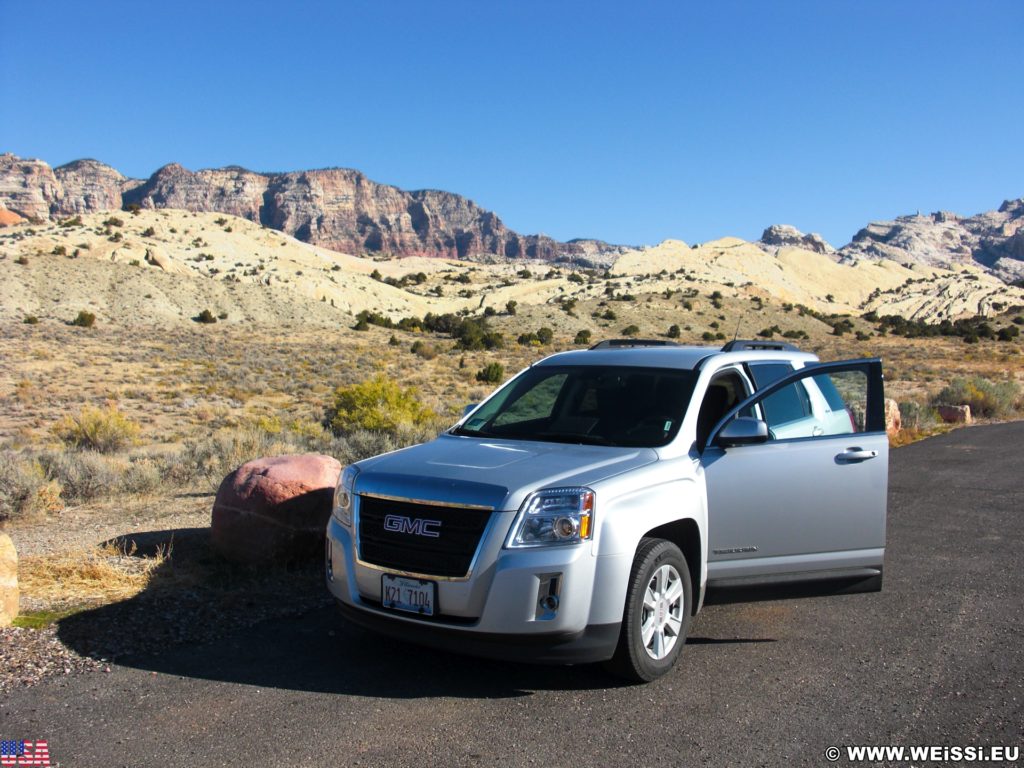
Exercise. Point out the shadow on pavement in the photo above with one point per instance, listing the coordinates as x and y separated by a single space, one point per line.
201 617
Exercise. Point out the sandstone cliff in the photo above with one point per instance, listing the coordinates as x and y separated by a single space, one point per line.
994 240
335 208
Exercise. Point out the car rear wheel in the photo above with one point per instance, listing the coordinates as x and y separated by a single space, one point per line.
657 612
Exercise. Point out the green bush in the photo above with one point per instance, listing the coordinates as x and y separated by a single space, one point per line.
992 399
84 319
30 320
97 429
492 373
377 404
631 330
582 337
206 316
673 332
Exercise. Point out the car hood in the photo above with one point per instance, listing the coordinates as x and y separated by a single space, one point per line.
493 473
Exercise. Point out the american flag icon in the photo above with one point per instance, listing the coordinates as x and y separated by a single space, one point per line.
22 753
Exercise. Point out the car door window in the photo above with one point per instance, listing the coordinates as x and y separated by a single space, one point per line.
822 404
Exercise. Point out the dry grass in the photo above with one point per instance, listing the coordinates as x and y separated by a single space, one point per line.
86 577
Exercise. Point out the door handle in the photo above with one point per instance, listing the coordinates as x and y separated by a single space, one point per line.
854 456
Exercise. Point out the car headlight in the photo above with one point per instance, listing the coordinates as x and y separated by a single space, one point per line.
343 495
554 516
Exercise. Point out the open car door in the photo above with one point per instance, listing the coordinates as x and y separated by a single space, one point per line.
797 478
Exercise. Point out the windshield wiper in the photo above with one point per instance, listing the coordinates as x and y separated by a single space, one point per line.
574 437
465 432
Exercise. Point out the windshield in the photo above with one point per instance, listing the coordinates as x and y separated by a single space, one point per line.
596 405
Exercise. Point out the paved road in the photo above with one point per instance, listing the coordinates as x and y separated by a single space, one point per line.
936 658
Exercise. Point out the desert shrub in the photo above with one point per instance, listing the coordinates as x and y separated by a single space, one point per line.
84 319
21 260
491 373
993 399
59 250
30 320
914 416
142 476
422 349
377 404
673 332
206 316
582 337
545 335
148 232
113 221
631 330
25 488
511 306
83 475
98 429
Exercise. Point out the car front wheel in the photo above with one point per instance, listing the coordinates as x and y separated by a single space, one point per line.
657 612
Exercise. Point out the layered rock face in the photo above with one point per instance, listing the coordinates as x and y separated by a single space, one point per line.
994 239
780 235
335 208
90 186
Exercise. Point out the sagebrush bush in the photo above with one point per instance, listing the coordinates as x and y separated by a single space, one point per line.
83 475
913 415
378 405
98 429
25 488
992 399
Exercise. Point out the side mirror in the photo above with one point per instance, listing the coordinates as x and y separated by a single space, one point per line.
743 430
468 409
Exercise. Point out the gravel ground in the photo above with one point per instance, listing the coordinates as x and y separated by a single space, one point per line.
28 656
192 597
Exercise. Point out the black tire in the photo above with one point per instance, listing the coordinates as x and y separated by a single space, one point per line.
633 659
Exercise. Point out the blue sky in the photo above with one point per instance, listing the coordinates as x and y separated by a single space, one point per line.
630 123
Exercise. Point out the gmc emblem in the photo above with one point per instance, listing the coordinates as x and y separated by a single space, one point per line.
415 526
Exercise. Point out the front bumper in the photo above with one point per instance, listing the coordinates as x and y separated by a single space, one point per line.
494 613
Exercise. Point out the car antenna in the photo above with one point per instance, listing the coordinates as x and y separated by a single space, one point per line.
737 334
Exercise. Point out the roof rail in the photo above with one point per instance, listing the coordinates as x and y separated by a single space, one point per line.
617 343
751 344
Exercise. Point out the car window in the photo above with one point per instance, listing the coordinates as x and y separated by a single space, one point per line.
764 374
819 405
787 405
599 405
846 397
535 403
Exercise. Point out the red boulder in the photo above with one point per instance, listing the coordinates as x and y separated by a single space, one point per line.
275 509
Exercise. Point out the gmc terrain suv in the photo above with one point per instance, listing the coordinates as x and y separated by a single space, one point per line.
585 509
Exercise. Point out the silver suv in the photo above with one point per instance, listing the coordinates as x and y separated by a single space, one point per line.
586 510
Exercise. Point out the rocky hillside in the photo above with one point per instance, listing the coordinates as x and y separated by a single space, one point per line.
993 240
159 267
334 208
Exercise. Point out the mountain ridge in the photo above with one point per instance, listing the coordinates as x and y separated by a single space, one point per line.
337 208
344 210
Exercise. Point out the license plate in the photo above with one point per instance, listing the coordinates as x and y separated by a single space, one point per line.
412 595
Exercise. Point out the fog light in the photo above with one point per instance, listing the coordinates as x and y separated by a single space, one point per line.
549 589
549 603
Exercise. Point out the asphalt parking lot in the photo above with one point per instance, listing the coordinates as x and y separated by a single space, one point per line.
936 658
